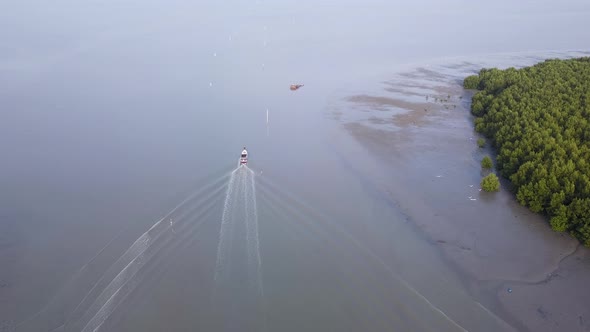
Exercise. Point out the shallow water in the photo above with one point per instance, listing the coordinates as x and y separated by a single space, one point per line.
114 113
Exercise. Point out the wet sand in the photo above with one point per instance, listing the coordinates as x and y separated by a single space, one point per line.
509 258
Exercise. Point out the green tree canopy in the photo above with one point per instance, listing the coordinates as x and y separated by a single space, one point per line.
471 82
481 142
490 183
486 162
538 119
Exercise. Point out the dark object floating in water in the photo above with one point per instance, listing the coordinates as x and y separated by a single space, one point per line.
294 87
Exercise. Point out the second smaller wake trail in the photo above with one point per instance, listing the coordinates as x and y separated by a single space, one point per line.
252 238
227 220
126 272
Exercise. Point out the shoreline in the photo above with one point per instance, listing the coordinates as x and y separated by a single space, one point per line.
510 259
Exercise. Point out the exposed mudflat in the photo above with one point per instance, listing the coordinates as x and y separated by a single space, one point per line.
419 131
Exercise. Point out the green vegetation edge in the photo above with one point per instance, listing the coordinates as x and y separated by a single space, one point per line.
538 120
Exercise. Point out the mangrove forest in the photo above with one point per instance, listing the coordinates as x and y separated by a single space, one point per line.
538 120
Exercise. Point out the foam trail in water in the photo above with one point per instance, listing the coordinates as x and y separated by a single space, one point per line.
137 247
67 306
239 206
130 276
238 296
110 289
253 243
225 232
144 241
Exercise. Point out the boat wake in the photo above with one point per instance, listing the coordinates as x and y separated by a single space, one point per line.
66 312
238 297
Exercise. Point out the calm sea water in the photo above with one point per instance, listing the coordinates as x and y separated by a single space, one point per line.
112 113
